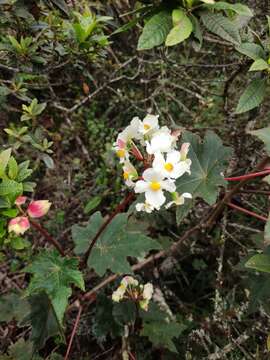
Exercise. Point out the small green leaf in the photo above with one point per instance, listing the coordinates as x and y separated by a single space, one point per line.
253 51
4 159
260 262
221 26
11 188
155 31
181 30
238 8
259 65
12 168
252 97
92 204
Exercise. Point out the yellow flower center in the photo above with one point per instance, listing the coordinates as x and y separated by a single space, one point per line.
120 153
146 127
154 185
125 175
168 167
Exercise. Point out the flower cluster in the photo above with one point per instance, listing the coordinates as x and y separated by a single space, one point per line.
131 289
162 162
36 209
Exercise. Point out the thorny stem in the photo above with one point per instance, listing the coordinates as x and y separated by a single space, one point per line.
248 176
48 237
119 209
73 331
248 212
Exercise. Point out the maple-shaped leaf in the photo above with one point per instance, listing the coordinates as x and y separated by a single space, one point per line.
54 274
42 319
264 135
114 244
209 159
159 330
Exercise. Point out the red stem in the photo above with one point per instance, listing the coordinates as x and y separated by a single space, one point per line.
48 237
248 212
248 176
119 209
73 332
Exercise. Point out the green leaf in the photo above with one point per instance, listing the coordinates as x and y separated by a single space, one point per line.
264 135
42 319
252 96
113 246
21 350
92 204
12 168
24 172
159 330
238 8
259 65
54 275
221 26
4 159
61 5
155 31
253 51
11 189
209 159
267 232
13 307
260 262
181 30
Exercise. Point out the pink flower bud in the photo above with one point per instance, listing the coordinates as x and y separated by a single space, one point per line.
19 225
38 208
121 143
20 200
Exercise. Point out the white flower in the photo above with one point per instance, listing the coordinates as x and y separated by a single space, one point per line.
129 174
162 141
129 280
131 131
172 167
119 293
153 186
178 199
148 291
144 207
149 124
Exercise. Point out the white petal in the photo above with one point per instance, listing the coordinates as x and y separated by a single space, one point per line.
151 120
168 185
141 186
167 206
173 157
152 175
159 162
179 170
187 195
155 198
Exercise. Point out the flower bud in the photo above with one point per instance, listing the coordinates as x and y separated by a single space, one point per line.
38 208
19 225
20 200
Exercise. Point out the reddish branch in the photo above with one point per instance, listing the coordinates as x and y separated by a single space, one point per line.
249 176
248 212
48 237
73 331
127 200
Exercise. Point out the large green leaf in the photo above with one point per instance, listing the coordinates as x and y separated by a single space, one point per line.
238 8
54 275
260 262
155 31
13 307
158 329
264 135
252 96
181 30
221 26
259 65
253 51
209 159
113 246
43 320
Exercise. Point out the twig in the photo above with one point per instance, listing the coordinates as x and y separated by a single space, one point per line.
248 212
119 209
48 237
73 331
248 176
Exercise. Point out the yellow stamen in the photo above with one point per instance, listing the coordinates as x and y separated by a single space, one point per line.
120 153
168 167
146 127
125 175
154 185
